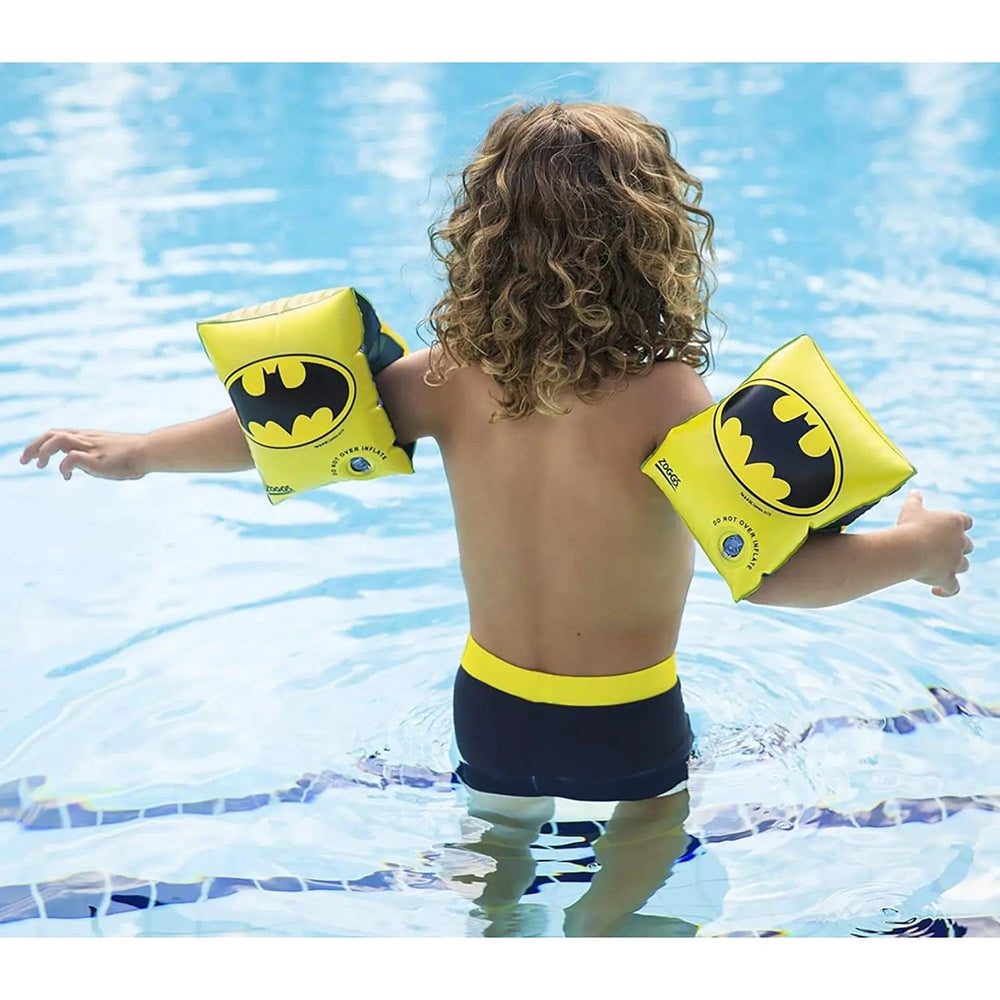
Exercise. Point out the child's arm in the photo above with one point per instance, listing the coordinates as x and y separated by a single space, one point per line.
217 443
211 444
927 546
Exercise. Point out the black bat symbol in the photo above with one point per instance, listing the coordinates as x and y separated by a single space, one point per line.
777 442
322 386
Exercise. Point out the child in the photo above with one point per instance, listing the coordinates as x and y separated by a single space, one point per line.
569 341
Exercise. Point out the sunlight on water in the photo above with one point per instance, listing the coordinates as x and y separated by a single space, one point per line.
223 717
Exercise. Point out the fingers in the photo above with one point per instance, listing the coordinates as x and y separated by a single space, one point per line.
952 587
969 547
962 519
71 461
31 451
62 441
914 499
50 442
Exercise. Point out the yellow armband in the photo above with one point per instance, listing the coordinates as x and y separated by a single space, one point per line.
790 451
301 375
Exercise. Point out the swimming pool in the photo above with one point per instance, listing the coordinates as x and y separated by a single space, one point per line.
219 717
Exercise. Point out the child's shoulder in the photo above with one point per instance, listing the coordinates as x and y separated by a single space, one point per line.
413 407
671 392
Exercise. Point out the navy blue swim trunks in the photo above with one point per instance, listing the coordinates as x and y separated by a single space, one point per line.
524 732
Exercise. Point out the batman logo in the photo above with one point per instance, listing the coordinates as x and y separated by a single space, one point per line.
291 400
779 447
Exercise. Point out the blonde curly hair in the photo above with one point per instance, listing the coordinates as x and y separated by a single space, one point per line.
575 253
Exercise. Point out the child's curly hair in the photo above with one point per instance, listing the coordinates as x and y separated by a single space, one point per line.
577 254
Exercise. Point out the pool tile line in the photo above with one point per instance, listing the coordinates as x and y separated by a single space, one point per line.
17 804
94 895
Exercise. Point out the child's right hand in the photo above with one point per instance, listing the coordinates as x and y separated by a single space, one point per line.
941 542
104 454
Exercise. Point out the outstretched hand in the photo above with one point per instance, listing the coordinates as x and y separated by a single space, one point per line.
104 454
943 543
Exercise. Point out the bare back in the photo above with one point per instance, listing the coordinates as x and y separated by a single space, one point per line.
574 562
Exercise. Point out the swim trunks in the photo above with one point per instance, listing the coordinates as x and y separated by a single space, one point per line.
525 732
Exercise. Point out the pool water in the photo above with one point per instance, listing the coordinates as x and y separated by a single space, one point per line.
221 717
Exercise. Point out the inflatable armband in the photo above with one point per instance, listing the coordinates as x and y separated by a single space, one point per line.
301 374
788 452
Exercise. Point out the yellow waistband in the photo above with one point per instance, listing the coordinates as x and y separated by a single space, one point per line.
559 689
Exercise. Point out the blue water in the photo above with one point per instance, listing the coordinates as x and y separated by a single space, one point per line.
222 717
